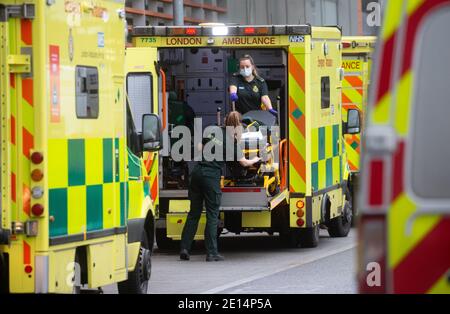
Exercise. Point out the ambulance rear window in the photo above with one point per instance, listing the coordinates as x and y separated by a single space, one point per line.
86 91
430 129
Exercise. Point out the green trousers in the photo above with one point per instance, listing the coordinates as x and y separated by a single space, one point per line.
204 186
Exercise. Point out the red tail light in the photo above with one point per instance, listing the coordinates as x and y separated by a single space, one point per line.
346 45
37 209
36 158
28 269
372 254
300 222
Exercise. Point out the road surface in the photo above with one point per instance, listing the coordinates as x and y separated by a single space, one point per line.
257 263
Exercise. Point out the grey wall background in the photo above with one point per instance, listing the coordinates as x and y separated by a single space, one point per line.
350 14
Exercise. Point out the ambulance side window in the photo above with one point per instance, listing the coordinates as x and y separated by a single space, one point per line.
139 89
139 102
86 91
430 123
325 92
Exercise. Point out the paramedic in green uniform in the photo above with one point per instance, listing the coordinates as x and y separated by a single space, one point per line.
248 90
204 186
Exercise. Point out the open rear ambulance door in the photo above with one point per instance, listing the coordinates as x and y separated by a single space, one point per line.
16 139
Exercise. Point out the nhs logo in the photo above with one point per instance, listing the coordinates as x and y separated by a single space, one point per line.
296 39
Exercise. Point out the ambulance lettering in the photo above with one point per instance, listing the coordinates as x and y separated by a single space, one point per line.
183 41
297 39
351 65
322 63
237 41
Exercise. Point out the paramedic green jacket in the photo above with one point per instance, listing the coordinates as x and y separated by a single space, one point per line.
204 186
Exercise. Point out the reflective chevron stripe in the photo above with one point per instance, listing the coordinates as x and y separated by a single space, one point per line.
297 128
418 257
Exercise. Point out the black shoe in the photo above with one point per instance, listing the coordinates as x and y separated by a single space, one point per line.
184 255
214 258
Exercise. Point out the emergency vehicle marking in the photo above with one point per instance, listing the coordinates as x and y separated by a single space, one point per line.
54 83
352 98
352 65
27 117
81 199
417 261
297 39
438 259
174 41
322 63
325 162
297 127
240 41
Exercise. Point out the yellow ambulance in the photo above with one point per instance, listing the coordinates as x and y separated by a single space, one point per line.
357 55
77 200
404 232
307 186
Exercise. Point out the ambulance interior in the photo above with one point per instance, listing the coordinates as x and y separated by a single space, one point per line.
197 82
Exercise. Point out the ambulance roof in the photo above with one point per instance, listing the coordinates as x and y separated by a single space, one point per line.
233 30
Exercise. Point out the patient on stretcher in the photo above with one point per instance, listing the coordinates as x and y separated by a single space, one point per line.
256 140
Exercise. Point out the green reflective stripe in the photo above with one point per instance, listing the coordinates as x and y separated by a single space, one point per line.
94 207
123 202
76 161
321 143
335 140
315 176
57 200
107 160
134 166
147 188
329 181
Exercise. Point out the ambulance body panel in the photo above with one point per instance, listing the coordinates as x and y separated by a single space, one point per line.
357 55
404 229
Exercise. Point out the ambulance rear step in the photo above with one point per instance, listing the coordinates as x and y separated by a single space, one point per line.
249 199
173 194
244 199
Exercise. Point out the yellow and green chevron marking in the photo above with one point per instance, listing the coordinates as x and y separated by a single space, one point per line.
326 159
87 191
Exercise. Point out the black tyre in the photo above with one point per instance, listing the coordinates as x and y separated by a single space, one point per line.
4 277
162 241
138 279
339 227
309 237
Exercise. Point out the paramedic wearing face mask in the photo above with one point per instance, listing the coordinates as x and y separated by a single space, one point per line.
248 90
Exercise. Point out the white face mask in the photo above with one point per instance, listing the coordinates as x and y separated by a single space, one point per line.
246 72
